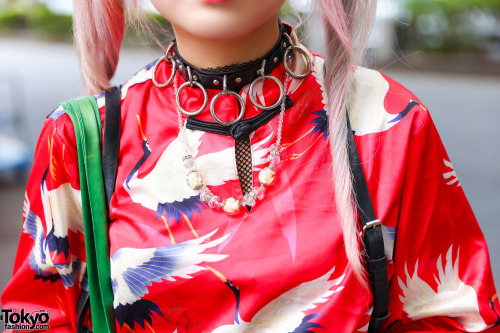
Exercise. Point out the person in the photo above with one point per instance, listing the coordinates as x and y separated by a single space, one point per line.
233 209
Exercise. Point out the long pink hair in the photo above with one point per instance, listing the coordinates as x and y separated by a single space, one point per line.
347 25
99 27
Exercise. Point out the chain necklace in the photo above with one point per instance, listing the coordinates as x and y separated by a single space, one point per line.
267 176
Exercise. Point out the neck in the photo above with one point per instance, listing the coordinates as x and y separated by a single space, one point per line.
205 53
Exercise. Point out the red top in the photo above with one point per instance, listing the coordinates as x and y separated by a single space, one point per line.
180 266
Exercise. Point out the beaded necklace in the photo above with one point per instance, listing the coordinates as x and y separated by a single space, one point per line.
267 176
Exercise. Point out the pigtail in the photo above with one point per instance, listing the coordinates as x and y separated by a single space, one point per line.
99 28
347 25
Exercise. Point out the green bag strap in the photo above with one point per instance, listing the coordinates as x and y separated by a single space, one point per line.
84 114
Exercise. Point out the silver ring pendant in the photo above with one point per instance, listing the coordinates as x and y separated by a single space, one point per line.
172 61
252 92
205 98
242 107
305 56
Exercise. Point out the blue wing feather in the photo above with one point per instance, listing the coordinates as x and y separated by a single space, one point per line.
153 265
140 311
174 209
30 224
306 324
321 122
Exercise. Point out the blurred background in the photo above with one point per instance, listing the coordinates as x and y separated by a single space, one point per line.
446 51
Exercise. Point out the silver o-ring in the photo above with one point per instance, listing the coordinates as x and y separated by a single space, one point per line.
205 98
252 92
289 39
305 56
172 61
242 107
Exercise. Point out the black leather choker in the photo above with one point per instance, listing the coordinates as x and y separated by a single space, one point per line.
236 79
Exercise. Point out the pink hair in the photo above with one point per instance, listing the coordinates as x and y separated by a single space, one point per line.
99 29
347 25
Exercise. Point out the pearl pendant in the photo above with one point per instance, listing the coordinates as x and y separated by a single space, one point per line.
194 180
267 176
231 206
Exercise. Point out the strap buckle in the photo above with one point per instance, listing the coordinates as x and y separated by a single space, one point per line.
372 224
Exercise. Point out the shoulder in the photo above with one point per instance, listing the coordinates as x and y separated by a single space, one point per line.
133 88
376 103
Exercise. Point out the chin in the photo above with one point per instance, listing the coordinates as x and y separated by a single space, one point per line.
218 29
218 19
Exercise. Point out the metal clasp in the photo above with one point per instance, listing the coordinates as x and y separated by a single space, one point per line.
191 82
262 70
372 224
224 85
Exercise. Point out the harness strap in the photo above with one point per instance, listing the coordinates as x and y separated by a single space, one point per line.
111 140
376 260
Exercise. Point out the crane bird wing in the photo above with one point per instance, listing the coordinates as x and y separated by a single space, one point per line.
40 256
63 209
365 103
453 298
365 100
211 165
286 313
166 183
133 270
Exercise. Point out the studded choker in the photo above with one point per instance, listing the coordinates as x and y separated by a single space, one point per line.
239 77
231 82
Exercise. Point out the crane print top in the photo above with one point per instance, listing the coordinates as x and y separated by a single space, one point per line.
178 265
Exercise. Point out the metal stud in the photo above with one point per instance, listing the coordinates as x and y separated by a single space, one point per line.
195 77
275 60
238 80
216 82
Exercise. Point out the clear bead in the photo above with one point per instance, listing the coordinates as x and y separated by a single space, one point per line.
249 199
189 163
214 202
259 192
205 194
274 159
276 147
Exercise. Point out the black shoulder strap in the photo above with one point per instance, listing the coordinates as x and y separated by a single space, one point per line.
110 149
376 261
111 139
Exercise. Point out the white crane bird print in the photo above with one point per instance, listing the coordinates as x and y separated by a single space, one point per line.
165 189
453 298
133 270
286 313
41 256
